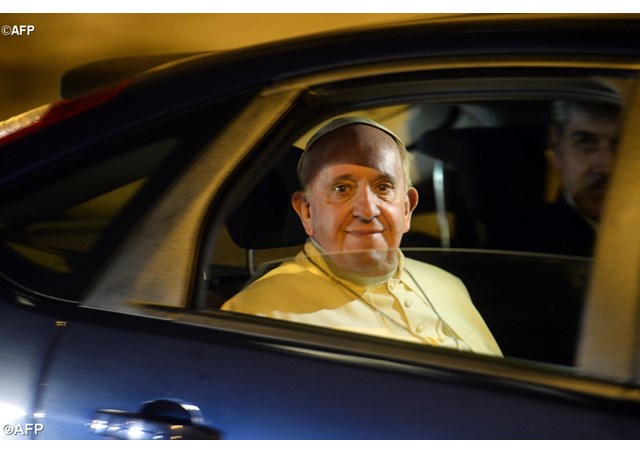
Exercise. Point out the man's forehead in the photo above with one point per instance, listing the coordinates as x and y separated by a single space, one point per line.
605 128
584 118
359 146
346 170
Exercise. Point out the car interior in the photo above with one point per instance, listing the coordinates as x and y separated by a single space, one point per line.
477 166
479 161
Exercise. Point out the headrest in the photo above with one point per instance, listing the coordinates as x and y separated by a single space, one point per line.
265 218
496 166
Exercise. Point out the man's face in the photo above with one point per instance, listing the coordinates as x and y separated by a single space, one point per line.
583 156
357 200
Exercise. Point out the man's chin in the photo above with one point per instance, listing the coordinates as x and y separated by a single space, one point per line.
371 263
598 194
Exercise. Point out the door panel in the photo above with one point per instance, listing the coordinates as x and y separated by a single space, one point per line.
249 392
26 337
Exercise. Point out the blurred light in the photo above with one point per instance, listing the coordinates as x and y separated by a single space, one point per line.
22 121
135 432
98 426
46 115
9 413
190 407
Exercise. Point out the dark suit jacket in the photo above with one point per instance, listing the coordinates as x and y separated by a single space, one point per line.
555 228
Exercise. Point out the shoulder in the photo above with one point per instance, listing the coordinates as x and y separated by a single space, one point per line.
443 286
425 271
281 291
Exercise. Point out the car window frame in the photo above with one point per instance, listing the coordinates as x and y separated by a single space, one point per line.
601 355
610 306
196 244
153 245
581 367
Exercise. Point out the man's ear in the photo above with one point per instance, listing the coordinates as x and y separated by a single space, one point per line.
553 137
411 201
302 208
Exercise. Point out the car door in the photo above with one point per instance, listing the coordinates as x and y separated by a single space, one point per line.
143 349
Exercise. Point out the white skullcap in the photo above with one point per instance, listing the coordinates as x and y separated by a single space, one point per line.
346 121
337 123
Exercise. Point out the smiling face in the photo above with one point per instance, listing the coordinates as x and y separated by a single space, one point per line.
357 199
584 152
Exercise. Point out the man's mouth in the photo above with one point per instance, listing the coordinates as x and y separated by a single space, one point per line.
364 232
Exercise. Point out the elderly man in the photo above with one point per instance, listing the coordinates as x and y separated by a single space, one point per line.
355 205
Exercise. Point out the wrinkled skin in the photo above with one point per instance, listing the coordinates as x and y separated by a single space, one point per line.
358 201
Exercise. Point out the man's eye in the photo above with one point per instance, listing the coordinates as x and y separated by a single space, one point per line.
341 188
586 144
385 188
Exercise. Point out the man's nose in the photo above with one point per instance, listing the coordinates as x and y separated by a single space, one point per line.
365 204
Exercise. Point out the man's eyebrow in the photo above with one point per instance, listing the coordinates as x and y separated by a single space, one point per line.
583 133
343 177
386 176
588 135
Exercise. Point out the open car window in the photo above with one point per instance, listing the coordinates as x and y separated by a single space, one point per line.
484 169
492 288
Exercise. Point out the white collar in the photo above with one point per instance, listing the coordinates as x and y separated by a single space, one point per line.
572 204
322 258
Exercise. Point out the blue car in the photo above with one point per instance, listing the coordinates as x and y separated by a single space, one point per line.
156 189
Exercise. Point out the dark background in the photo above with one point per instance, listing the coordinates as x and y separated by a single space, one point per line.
31 66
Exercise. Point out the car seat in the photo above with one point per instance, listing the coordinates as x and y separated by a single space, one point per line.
265 218
501 172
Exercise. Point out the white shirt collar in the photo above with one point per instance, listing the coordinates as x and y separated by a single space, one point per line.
572 204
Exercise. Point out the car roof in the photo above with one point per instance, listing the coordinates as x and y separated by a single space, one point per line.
164 85
439 35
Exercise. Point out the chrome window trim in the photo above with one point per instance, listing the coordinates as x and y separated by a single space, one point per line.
409 65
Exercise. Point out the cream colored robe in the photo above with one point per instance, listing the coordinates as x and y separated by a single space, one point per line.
298 291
